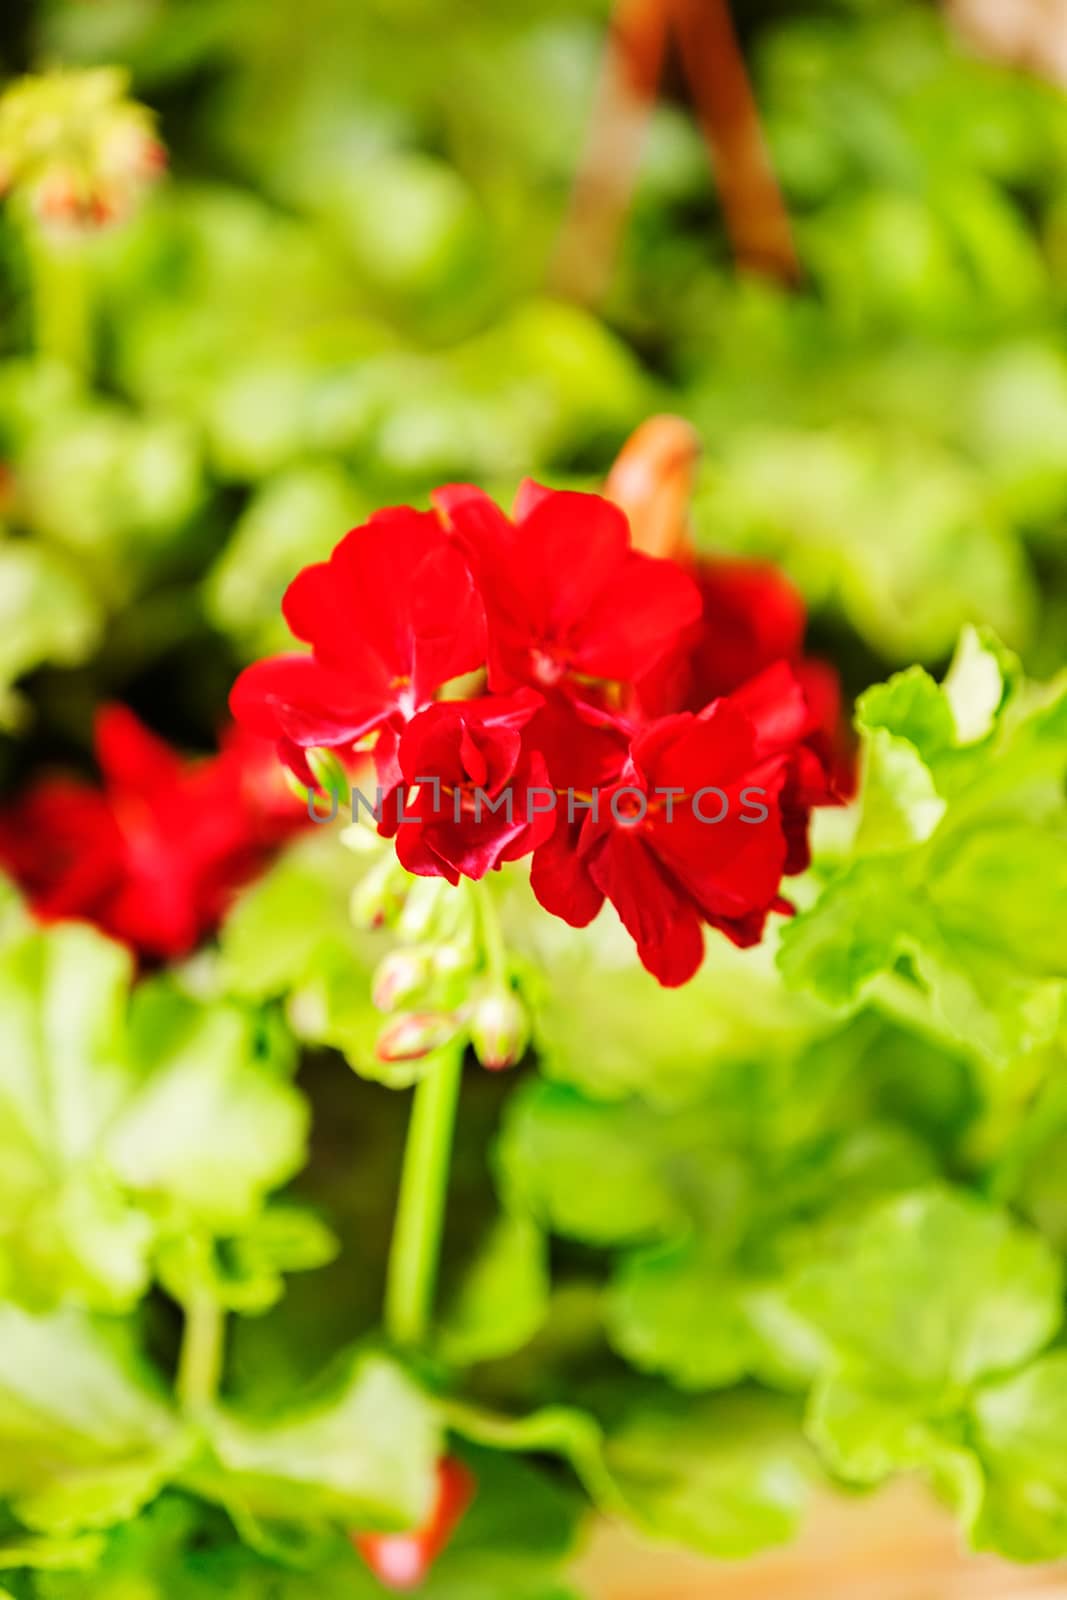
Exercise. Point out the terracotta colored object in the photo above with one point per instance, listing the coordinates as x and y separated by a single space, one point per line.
652 480
702 34
1026 33
896 1545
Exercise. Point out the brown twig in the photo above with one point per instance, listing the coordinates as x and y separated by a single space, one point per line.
754 211
607 172
753 208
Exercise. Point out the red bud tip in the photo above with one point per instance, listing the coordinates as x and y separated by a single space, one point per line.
402 1560
415 1034
154 158
500 1029
402 974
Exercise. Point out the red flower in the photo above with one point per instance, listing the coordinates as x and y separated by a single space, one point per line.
402 1560
585 750
391 616
482 794
694 830
154 856
751 616
567 599
607 669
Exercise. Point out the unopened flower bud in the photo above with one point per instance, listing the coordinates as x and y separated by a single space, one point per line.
422 909
416 1034
401 975
450 959
329 774
76 147
500 1029
652 480
294 785
404 1560
379 895
361 839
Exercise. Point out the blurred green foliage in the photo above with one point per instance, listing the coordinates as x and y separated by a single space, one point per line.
339 300
744 1191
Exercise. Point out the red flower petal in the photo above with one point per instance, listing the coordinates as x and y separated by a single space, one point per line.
154 857
662 922
296 699
391 616
129 755
564 592
485 805
402 1560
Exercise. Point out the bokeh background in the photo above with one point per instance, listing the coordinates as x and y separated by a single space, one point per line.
361 279
406 242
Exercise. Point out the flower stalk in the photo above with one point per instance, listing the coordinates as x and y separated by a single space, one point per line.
200 1358
62 304
416 1246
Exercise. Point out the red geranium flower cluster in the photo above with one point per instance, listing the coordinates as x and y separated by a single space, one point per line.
539 687
155 854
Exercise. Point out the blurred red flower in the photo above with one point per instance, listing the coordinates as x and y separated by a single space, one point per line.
402 1560
154 855
751 618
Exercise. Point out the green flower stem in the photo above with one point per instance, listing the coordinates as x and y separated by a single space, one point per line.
493 947
63 326
200 1360
413 1258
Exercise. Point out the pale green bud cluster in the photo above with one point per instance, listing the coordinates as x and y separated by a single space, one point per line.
75 148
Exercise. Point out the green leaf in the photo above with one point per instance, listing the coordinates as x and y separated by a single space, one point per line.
291 935
729 1196
1020 1428
715 1307
814 500
63 1079
901 805
934 1294
279 927
213 1125
980 678
725 1477
910 706
954 898
503 1299
46 615
554 1138
865 1433
120 1129
49 1552
935 1291
362 1453
960 712
112 487
85 1440
245 1273
603 1024
681 1312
